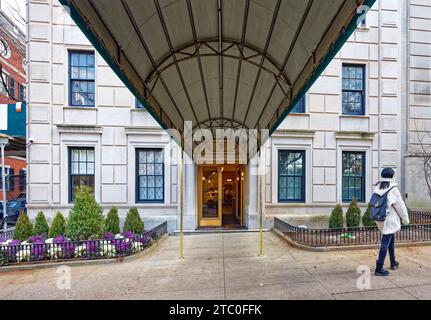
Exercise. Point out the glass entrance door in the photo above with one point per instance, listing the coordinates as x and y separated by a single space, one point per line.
210 201
220 196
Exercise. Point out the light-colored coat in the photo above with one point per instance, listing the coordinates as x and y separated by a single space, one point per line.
396 207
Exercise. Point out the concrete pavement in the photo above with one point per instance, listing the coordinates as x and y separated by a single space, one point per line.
226 266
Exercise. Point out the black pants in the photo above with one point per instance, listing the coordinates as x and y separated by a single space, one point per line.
388 243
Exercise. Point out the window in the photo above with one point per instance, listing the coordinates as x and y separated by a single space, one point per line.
138 104
150 175
353 176
81 75
3 88
353 89
299 107
22 179
291 176
81 168
21 92
12 88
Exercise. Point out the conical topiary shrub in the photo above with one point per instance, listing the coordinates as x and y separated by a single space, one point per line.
366 219
23 228
133 222
58 226
353 215
112 221
86 219
40 225
337 219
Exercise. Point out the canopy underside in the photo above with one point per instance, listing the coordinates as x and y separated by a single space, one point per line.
217 63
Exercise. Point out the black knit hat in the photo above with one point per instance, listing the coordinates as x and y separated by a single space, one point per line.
388 173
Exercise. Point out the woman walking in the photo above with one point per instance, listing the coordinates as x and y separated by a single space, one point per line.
396 209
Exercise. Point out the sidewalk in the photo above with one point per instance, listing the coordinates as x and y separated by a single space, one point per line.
226 266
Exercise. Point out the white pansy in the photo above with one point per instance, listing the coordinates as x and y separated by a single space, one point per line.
54 252
23 255
80 251
49 241
25 242
108 250
119 236
137 246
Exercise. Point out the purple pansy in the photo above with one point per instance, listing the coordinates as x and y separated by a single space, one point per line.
15 243
122 246
38 251
37 239
59 239
108 236
92 247
128 234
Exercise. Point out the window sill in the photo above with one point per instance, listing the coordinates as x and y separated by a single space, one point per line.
362 28
353 116
299 114
80 108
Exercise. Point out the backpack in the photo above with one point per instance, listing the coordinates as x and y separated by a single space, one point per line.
378 204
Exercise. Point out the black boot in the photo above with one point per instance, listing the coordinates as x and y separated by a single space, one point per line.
381 271
394 264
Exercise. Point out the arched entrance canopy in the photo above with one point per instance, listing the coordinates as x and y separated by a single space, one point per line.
218 63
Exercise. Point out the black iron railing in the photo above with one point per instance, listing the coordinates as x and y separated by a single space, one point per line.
418 231
60 249
6 235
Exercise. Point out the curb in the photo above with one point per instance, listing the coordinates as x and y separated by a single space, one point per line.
344 248
79 263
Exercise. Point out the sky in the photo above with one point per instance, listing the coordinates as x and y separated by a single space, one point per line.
20 5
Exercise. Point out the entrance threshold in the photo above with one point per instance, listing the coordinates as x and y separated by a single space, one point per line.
218 230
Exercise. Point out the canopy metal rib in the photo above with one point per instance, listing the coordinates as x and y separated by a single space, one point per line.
286 99
265 50
220 44
238 74
174 57
120 54
150 56
163 65
289 52
198 56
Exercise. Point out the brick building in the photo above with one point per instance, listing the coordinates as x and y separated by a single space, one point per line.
13 90
12 60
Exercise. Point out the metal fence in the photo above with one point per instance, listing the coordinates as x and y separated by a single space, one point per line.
61 249
418 231
8 235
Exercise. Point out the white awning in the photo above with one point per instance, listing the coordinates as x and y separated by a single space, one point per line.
218 63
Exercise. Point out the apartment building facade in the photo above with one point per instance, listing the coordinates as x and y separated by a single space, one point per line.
88 129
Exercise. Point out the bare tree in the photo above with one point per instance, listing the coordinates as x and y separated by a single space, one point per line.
421 150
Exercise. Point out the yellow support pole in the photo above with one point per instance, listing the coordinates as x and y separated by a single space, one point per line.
181 208
260 208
